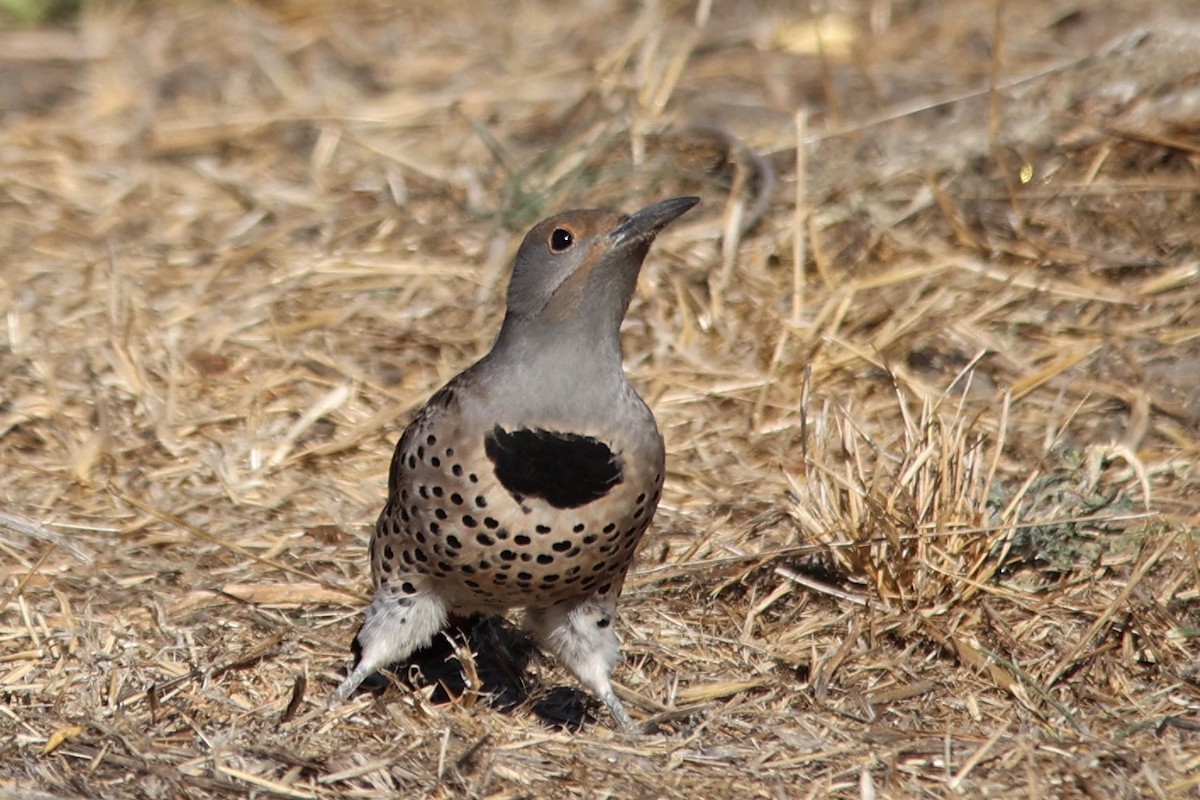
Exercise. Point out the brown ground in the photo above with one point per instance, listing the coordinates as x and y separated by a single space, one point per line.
904 548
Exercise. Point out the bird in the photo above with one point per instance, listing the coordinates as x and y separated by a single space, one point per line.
528 480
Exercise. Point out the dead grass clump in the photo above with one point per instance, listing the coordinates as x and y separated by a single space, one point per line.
922 516
912 513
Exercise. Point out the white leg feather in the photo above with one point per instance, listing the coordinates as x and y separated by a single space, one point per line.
393 629
583 638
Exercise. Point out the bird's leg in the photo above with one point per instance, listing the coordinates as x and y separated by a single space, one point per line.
583 638
394 627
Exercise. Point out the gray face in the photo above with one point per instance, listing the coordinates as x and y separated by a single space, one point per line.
585 259
565 246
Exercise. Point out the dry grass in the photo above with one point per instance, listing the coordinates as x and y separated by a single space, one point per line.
930 523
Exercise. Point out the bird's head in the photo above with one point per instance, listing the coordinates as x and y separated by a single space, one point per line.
579 268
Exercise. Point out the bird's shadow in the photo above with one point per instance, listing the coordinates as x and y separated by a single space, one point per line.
502 654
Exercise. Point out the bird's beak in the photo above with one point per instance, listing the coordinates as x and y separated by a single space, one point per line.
645 224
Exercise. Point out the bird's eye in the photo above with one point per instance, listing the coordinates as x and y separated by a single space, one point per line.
561 239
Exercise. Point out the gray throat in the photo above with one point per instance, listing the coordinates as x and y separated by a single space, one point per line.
561 377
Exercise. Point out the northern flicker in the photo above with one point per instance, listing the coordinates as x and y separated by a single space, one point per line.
528 480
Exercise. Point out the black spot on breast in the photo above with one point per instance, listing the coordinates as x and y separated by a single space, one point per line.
564 469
